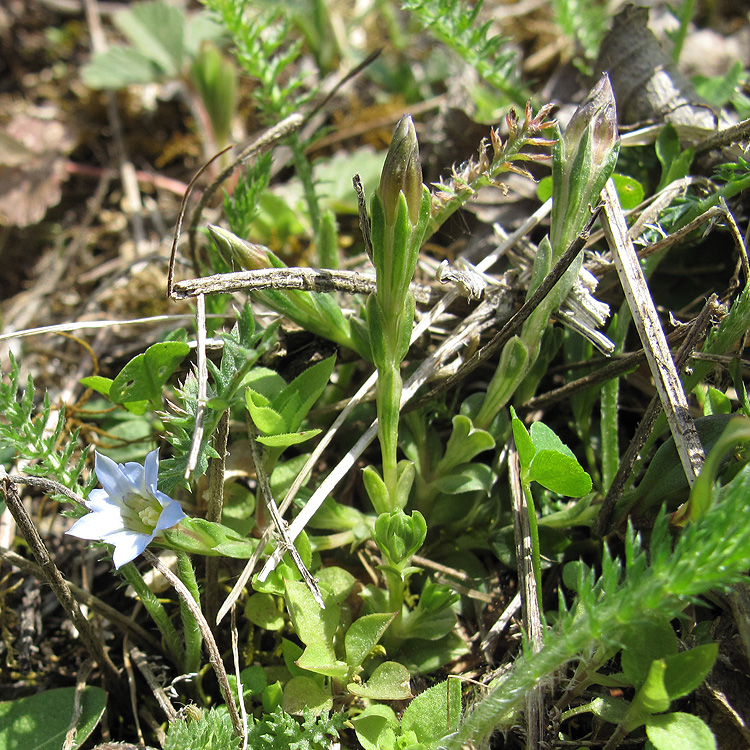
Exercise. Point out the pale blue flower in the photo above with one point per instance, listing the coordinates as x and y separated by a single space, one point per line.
129 512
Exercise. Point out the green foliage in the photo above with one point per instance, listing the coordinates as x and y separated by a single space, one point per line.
41 721
455 23
37 433
241 207
242 348
652 583
432 715
585 24
212 731
280 731
265 50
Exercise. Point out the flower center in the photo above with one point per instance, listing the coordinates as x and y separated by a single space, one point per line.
140 513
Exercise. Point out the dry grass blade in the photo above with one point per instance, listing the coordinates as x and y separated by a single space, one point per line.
646 319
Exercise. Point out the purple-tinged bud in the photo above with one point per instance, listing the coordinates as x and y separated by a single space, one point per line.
402 172
599 112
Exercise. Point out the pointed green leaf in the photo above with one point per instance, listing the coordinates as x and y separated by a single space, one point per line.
524 443
559 473
284 440
687 670
145 375
265 418
363 634
319 658
298 397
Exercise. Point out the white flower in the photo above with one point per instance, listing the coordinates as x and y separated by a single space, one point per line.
129 512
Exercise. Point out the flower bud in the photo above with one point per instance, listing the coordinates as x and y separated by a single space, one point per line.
402 172
583 160
239 252
400 536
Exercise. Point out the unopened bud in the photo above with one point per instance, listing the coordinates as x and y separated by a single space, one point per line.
239 252
400 536
583 160
402 172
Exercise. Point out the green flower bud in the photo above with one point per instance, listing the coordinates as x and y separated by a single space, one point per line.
400 536
239 252
583 160
402 172
201 537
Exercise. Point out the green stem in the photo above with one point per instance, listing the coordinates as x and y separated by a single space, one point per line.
388 399
678 40
536 558
304 171
158 614
193 637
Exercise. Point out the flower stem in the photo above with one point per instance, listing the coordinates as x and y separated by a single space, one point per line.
193 637
158 614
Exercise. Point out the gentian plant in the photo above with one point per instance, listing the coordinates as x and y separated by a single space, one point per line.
129 512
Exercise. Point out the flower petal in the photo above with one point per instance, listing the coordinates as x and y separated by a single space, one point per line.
128 545
134 474
111 477
99 501
171 515
97 526
151 471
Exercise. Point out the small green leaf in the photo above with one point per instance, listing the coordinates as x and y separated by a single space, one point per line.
41 721
312 624
285 439
119 67
337 582
629 190
376 727
687 670
389 682
262 610
156 29
97 383
679 731
469 478
718 402
319 658
435 712
609 709
464 444
524 443
559 473
544 438
376 489
644 643
265 418
652 696
298 397
303 692
362 636
145 375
